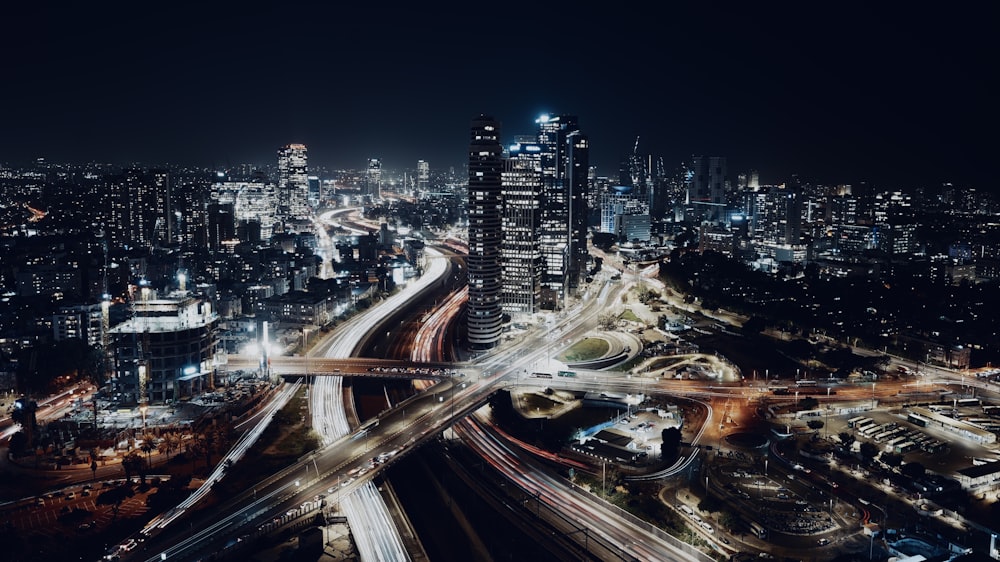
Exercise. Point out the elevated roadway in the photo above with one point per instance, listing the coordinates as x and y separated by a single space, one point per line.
349 462
297 366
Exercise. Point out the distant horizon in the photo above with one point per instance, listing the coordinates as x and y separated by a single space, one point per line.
271 164
836 94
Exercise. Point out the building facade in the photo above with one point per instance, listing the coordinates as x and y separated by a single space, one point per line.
521 255
565 178
293 181
83 321
484 313
166 351
706 188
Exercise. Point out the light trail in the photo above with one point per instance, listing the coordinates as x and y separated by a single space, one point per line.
376 535
237 451
622 536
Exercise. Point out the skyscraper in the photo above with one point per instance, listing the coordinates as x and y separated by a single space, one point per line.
706 189
293 182
140 208
423 176
521 256
577 186
373 178
562 156
485 171
777 216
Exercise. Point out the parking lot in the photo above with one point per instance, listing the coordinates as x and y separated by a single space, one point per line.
70 509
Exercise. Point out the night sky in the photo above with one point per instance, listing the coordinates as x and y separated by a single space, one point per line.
840 93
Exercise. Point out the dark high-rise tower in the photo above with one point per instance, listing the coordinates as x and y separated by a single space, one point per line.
706 190
140 214
557 202
485 170
577 182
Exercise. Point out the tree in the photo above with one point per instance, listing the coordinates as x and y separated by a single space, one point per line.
868 451
913 470
607 321
846 438
671 437
132 464
24 414
709 504
115 497
728 520
891 460
194 449
808 403
815 424
753 326
147 447
645 294
18 444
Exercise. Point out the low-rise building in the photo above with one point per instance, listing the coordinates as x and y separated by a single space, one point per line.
166 351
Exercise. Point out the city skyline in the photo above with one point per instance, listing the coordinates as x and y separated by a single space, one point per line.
836 96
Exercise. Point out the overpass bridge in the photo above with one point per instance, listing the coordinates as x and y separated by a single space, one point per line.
297 366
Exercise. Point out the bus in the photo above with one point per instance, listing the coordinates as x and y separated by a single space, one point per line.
541 375
758 530
854 421
566 373
880 437
935 446
905 447
896 440
871 430
917 419
864 424
805 383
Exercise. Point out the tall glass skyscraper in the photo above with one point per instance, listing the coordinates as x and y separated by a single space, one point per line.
565 162
521 255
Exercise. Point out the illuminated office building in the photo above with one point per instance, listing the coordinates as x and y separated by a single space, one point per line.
140 214
293 182
423 176
521 256
373 178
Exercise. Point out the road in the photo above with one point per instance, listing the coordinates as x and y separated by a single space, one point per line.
346 463
288 494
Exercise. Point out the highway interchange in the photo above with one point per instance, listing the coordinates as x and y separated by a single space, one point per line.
354 451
